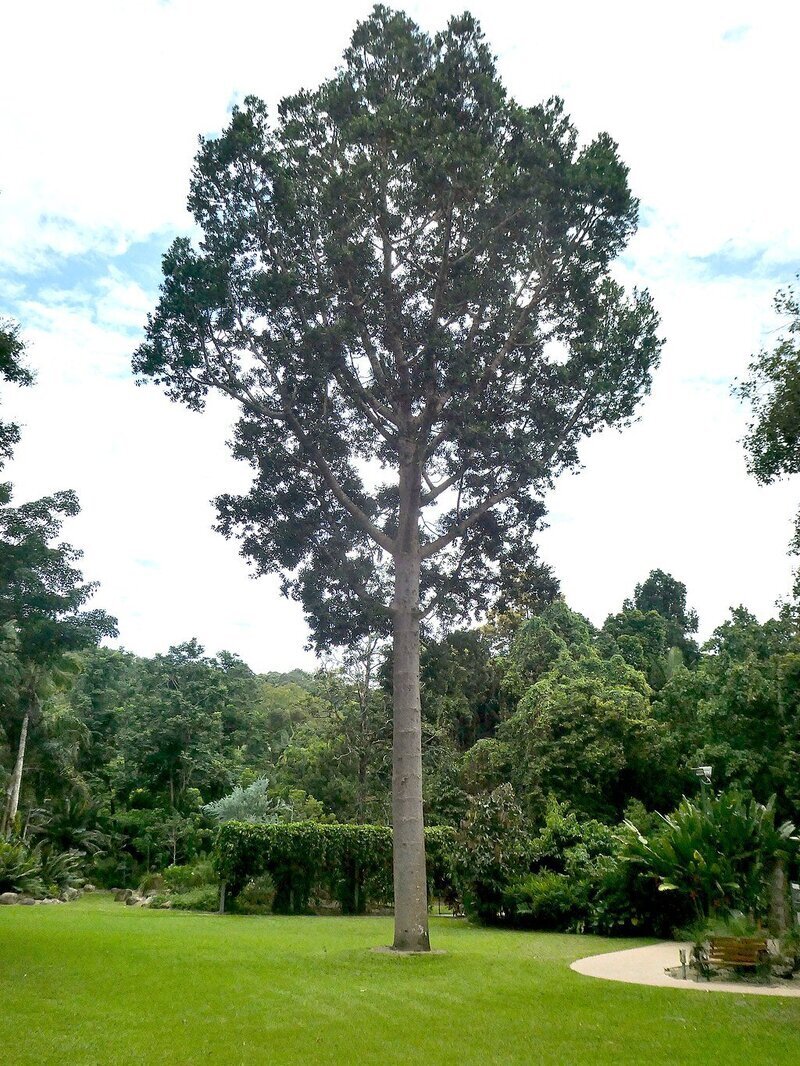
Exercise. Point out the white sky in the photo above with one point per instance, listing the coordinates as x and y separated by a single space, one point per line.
101 107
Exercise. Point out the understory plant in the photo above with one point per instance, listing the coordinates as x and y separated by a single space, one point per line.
716 851
20 868
491 852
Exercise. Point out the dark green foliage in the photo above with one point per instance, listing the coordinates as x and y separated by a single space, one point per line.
351 863
582 881
549 900
585 733
13 369
41 590
463 699
556 633
61 869
739 711
382 267
492 850
773 389
716 852
182 878
203 898
665 595
20 868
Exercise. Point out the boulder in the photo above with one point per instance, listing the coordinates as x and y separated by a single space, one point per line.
26 901
7 898
122 895
69 894
49 900
133 901
89 888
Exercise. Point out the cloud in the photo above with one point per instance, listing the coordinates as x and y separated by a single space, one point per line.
108 101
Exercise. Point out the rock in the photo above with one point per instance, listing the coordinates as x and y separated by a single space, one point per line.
89 888
26 901
133 901
7 898
122 895
48 900
70 894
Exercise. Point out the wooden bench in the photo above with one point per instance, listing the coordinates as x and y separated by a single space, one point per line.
737 951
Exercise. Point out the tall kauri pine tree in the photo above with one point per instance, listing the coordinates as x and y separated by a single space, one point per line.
403 282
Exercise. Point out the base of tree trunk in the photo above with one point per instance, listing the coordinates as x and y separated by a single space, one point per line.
388 950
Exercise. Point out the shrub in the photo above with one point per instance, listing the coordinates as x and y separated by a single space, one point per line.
581 883
182 878
491 852
256 897
252 804
716 852
205 898
20 868
152 882
62 869
549 901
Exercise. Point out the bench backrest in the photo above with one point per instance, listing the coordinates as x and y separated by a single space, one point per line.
737 950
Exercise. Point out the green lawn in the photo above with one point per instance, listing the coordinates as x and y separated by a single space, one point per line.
97 982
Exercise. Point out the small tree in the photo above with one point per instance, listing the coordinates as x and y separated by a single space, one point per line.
41 596
252 804
404 285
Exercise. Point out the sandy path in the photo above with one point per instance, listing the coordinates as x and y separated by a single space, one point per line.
645 966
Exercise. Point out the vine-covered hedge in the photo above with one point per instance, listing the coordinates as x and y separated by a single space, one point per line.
350 863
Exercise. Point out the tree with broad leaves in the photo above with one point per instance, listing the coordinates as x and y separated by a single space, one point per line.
13 369
42 594
773 392
404 284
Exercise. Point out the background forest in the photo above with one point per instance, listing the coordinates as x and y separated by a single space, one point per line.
536 723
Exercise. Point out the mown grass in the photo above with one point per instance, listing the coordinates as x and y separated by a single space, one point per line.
97 982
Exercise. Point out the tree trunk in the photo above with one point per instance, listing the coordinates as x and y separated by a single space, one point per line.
14 785
778 901
410 885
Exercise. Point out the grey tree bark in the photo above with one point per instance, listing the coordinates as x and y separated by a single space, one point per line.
410 882
778 898
15 783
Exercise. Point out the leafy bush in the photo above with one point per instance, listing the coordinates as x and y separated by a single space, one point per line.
440 846
20 868
62 869
205 898
715 851
182 878
549 901
257 896
253 804
491 852
152 882
581 884
622 901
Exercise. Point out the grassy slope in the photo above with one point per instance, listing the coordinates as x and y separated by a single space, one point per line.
96 982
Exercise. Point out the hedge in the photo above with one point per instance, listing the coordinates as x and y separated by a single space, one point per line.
350 863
